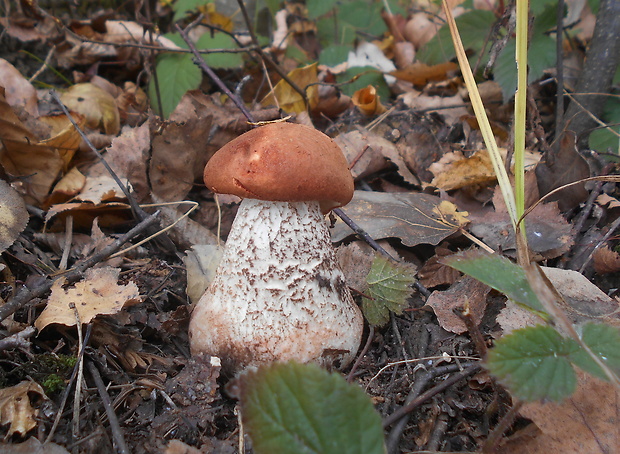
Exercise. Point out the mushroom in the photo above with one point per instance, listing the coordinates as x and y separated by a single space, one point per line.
278 293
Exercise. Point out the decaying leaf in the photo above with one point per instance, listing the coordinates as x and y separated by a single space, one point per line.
19 92
549 234
368 153
32 446
201 262
605 260
434 273
419 74
15 407
467 294
287 98
450 107
585 422
414 217
13 215
97 294
97 105
389 286
562 166
454 171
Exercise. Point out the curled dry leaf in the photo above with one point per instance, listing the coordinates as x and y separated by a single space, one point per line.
467 294
95 104
419 74
15 407
19 92
605 260
454 171
368 102
433 273
13 215
99 293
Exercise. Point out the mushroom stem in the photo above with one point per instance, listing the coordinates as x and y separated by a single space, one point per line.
278 293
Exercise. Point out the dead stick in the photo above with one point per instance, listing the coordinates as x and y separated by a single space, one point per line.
117 433
18 340
26 295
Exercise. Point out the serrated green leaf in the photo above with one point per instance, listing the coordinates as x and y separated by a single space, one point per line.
534 363
604 341
499 273
219 60
303 409
176 74
473 28
389 286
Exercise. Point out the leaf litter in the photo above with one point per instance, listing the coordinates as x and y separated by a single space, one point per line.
423 177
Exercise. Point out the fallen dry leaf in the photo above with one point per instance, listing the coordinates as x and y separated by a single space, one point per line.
178 151
32 446
201 261
468 294
419 74
288 99
454 171
369 153
549 234
18 91
587 422
22 155
129 156
367 101
562 166
608 201
410 217
451 108
99 293
95 104
605 260
433 273
15 407
13 215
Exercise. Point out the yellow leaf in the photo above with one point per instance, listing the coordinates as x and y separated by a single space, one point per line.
99 293
450 214
289 100
15 408
96 104
368 102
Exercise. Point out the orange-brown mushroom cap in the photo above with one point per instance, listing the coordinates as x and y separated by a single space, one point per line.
282 162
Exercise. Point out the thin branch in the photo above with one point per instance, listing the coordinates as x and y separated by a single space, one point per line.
117 433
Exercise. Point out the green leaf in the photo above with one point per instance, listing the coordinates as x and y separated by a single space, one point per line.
534 363
221 60
356 78
473 27
389 286
541 54
182 7
335 54
604 342
176 74
317 8
603 139
302 409
499 273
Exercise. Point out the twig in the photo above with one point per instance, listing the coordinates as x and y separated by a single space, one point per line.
67 246
80 375
117 433
209 72
45 64
267 58
25 294
17 340
504 424
371 334
612 228
403 411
